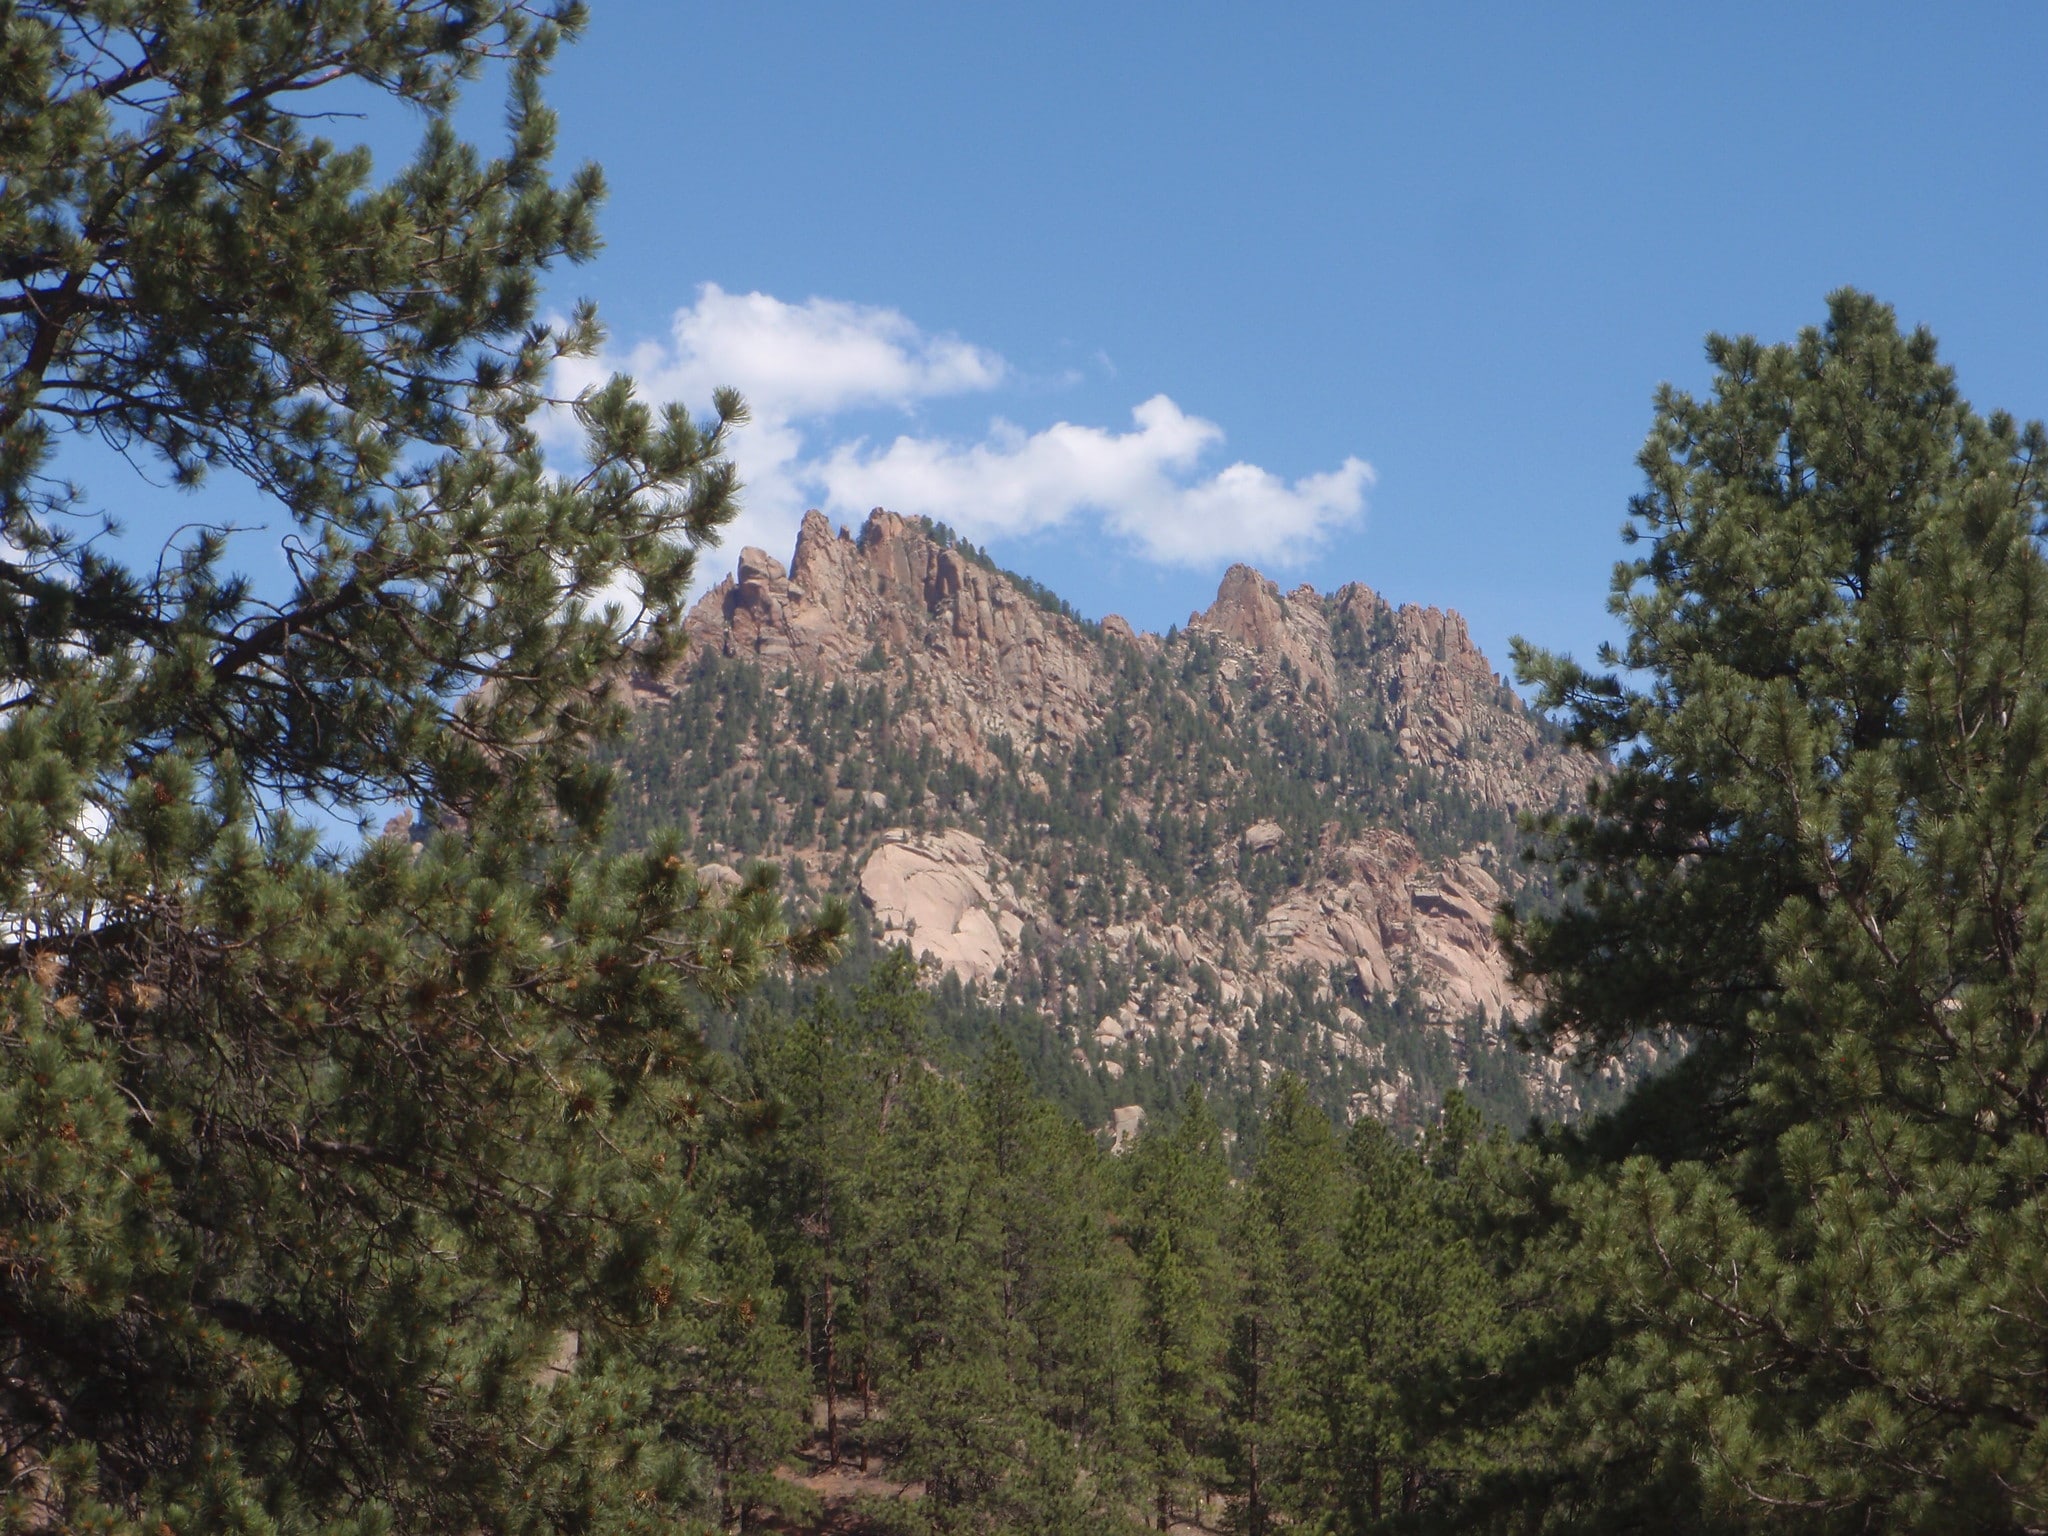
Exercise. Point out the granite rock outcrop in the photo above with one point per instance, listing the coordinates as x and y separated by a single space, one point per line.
1296 814
997 664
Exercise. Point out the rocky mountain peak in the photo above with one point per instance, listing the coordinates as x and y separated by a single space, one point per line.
1267 840
998 662
1295 626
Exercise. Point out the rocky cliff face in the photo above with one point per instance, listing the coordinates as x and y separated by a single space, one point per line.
997 663
1275 838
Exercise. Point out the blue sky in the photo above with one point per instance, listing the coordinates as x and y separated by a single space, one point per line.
1460 244
1128 291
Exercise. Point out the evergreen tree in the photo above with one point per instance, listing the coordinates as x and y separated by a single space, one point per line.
958 1418
1819 858
1179 1189
1283 1245
335 1190
1258 1375
730 1380
1407 1309
1066 1300
808 1186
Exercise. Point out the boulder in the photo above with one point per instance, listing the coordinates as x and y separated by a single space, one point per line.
1261 836
718 877
1126 1122
933 894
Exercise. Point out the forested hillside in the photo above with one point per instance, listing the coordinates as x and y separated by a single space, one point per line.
545 1167
996 1323
1269 843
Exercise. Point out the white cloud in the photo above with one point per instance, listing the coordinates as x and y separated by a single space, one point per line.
802 365
794 363
1140 483
804 360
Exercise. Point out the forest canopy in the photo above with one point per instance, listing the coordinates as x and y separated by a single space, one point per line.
396 1188
316 1168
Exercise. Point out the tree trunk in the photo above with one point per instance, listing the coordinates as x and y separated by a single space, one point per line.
867 1346
1254 1508
831 1369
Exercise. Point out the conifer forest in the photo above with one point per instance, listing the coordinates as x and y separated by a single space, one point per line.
862 1047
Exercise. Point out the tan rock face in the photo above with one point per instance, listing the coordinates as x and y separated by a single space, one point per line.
1451 714
1388 919
1262 835
1251 610
933 894
978 671
992 663
1126 1124
1457 959
1448 709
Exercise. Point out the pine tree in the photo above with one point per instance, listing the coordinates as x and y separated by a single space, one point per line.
809 1185
730 1378
1819 859
958 1417
1408 1333
1066 1301
335 1188
1179 1187
1282 1246
1257 1378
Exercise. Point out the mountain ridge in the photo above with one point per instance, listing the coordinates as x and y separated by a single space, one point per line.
1273 840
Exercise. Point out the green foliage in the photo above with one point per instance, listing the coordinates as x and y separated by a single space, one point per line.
766 765
315 1166
399 1188
1408 1326
1820 862
729 1377
192 276
1283 1244
1177 1210
945 1249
